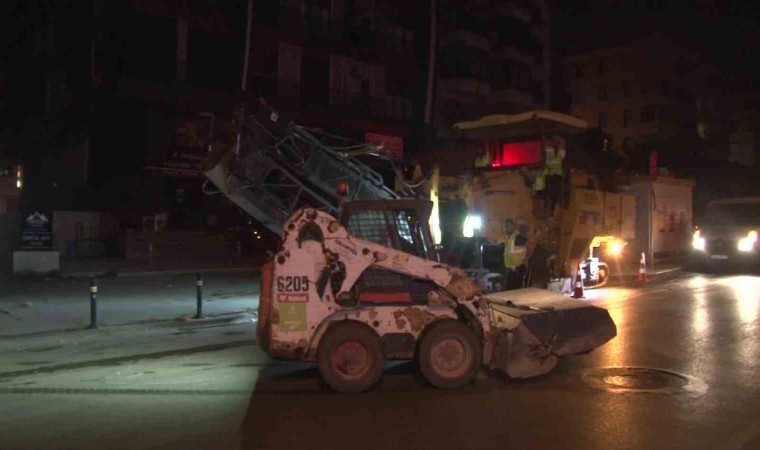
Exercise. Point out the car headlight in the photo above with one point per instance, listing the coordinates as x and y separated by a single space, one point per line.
698 242
747 244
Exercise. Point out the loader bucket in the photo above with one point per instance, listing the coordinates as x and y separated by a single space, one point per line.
535 327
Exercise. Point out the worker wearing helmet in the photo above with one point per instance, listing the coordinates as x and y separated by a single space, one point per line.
515 248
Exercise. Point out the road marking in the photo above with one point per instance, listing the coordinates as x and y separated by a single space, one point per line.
741 439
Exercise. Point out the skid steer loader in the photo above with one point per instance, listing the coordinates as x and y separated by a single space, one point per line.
352 293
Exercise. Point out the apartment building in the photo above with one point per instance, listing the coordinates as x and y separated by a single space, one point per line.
650 94
493 57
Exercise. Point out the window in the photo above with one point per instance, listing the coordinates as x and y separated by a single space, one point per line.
603 93
289 62
648 114
626 117
626 89
665 87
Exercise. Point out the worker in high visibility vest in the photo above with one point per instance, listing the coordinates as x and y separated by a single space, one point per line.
555 156
515 248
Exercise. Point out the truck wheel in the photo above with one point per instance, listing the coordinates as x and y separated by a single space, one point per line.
350 358
449 354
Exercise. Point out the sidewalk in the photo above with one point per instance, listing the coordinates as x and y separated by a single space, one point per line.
102 267
35 304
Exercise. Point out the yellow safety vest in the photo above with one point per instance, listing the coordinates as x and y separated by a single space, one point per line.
554 159
514 255
539 184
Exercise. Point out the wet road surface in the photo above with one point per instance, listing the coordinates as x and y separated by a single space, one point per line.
682 373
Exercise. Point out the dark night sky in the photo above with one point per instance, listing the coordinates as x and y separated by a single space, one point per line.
726 32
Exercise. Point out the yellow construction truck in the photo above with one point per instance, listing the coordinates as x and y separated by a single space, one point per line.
520 166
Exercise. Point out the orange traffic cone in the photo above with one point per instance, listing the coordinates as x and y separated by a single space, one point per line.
643 268
578 290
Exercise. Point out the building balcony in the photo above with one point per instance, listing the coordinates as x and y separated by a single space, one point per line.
513 96
512 9
463 85
389 107
317 24
524 56
467 38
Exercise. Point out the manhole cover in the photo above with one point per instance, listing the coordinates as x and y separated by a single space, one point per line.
643 379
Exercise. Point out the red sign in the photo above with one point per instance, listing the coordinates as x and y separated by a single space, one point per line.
392 145
515 154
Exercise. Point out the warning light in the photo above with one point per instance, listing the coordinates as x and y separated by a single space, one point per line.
342 189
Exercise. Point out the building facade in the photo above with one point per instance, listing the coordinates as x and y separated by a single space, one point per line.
650 95
493 58
167 75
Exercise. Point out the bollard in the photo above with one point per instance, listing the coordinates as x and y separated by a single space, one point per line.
199 296
93 303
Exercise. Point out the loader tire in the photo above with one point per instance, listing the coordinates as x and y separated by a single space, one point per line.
350 357
449 354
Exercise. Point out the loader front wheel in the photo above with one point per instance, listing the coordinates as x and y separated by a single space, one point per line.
350 358
449 354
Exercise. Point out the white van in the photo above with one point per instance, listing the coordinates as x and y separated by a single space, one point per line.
729 233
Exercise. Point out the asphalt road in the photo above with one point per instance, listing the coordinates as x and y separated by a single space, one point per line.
688 346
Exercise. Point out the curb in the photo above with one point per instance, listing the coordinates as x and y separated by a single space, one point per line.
217 320
156 273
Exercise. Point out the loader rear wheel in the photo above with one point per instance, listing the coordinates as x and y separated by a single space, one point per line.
449 354
350 357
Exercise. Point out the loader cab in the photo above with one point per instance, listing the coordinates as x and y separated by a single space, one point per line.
401 224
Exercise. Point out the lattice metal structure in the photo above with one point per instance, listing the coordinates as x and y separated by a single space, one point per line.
281 167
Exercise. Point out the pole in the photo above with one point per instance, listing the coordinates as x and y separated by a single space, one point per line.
431 65
93 303
244 76
199 296
150 254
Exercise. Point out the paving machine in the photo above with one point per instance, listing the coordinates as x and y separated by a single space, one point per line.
356 283
583 225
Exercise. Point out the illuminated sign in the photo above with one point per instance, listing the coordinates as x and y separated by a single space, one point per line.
517 154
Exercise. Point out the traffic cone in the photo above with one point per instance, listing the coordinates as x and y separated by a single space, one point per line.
643 268
578 290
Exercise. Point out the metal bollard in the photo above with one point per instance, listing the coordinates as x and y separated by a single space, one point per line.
199 296
93 303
